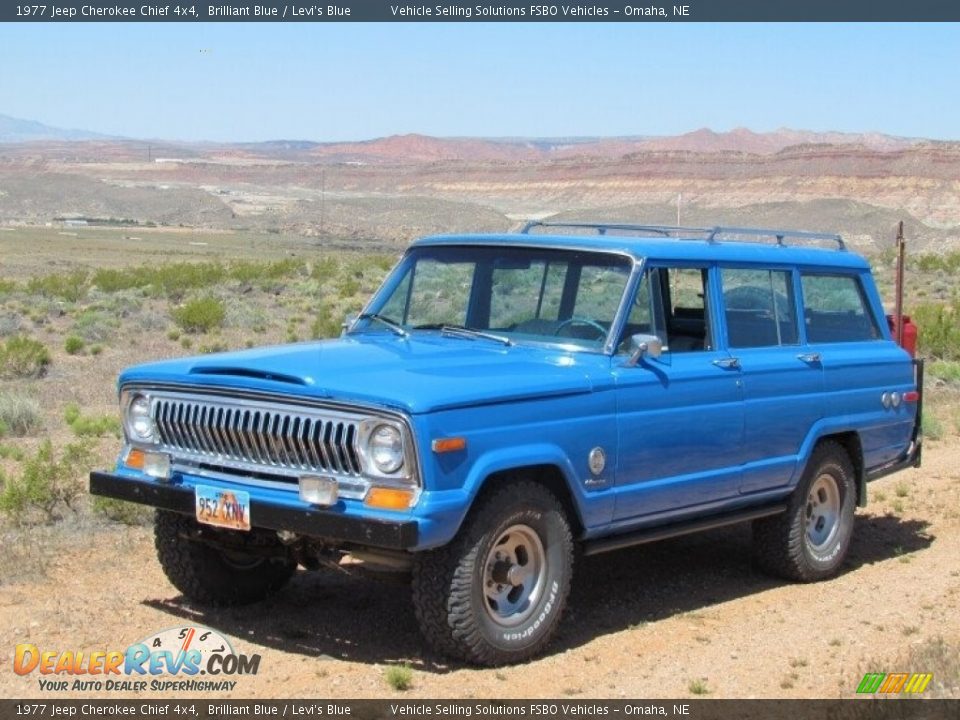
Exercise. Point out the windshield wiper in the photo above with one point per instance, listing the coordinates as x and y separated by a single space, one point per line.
393 325
464 331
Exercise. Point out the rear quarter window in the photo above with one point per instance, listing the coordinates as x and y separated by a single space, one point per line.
836 309
759 307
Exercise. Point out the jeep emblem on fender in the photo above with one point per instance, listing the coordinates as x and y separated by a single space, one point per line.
597 460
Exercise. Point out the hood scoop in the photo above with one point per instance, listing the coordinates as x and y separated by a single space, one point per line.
249 372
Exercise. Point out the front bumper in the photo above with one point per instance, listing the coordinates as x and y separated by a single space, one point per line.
318 523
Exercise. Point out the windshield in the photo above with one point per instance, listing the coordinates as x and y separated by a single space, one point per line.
504 293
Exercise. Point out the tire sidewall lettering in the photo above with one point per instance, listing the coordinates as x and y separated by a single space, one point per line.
532 627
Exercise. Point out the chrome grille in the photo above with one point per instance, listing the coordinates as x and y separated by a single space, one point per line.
277 439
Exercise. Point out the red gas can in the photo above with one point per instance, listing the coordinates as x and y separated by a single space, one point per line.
909 340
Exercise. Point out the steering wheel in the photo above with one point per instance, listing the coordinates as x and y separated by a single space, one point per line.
587 322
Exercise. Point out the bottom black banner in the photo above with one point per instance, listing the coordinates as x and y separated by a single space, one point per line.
889 709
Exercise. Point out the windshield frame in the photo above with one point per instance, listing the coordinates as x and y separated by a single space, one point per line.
608 347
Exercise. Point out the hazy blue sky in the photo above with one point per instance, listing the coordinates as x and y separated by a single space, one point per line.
358 81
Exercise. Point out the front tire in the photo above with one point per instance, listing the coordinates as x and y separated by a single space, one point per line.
811 539
213 576
496 593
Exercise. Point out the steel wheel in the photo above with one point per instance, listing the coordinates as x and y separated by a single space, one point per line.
822 513
513 575
810 540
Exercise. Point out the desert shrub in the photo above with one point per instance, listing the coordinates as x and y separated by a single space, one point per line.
95 325
939 329
932 426
71 286
399 677
7 287
214 347
382 263
120 511
73 345
113 280
46 484
325 324
90 425
200 315
172 280
945 370
325 268
20 415
247 271
96 349
176 279
11 452
930 262
246 316
9 324
23 357
348 286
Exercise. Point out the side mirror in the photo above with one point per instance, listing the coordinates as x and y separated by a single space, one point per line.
643 345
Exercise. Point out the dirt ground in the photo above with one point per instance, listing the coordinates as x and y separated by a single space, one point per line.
682 617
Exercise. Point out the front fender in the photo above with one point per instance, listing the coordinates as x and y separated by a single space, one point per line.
443 512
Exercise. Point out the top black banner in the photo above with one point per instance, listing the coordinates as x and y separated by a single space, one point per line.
619 11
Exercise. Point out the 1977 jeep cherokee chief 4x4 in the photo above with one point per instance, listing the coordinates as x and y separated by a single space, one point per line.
505 400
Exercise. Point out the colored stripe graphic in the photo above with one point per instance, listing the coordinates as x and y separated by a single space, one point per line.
870 683
918 682
893 683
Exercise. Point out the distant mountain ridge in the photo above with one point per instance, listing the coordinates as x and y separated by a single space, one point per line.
18 130
425 148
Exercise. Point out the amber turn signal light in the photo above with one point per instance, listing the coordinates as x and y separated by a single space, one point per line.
389 498
445 445
135 459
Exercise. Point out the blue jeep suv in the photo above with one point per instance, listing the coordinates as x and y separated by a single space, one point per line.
505 403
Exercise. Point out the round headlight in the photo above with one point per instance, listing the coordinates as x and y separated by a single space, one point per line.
386 448
139 421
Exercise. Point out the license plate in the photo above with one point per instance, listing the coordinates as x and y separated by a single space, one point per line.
223 508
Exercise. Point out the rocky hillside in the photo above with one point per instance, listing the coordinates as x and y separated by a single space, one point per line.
392 189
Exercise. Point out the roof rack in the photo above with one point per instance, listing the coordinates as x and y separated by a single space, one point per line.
602 228
710 233
778 234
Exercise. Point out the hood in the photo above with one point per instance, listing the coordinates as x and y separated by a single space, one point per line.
416 374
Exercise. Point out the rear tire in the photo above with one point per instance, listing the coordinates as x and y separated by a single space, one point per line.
811 539
496 593
209 575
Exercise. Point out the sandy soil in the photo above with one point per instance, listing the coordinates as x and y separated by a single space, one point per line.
642 623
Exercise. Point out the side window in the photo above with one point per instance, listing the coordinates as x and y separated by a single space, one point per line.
671 304
759 307
835 309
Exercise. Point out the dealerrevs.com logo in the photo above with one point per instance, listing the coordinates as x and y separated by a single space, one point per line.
185 659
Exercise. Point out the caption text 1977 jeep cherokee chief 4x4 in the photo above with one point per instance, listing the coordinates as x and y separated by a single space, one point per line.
504 400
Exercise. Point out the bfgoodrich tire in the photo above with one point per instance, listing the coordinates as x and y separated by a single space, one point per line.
811 539
212 576
496 593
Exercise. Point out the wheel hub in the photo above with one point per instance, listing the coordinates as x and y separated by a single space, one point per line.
822 512
514 574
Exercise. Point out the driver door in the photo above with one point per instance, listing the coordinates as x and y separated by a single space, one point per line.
680 417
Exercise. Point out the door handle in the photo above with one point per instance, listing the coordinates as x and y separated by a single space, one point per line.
813 357
728 363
